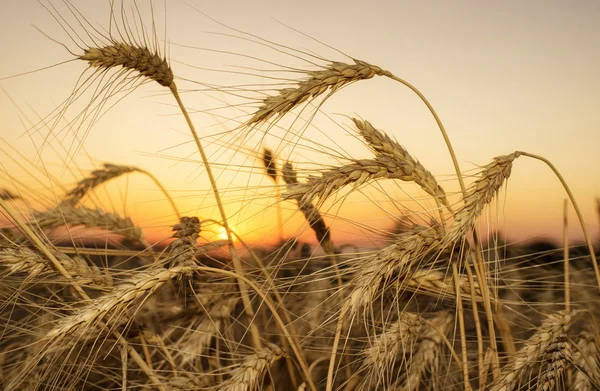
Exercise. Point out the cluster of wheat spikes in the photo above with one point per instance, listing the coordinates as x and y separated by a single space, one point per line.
434 309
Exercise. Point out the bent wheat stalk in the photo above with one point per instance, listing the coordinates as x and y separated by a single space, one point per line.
382 144
153 66
395 339
588 240
109 172
481 193
550 333
73 216
251 371
333 77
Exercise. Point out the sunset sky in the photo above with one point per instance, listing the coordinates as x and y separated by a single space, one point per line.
503 76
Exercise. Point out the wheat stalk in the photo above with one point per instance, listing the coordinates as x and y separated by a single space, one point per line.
481 193
248 375
426 351
95 179
24 260
182 251
131 57
586 358
333 77
151 65
408 250
395 339
357 173
382 144
91 218
550 332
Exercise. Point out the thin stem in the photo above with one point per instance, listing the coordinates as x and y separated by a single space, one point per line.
440 125
476 258
165 192
577 210
279 212
461 324
482 370
566 256
336 342
237 263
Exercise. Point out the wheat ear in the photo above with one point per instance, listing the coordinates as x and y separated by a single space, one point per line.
74 216
407 250
60 268
24 260
426 351
197 338
78 327
395 339
555 360
248 376
108 172
333 77
587 360
382 144
310 212
356 173
133 58
155 67
95 179
481 193
182 251
551 332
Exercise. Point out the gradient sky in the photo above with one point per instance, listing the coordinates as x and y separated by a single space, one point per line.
503 76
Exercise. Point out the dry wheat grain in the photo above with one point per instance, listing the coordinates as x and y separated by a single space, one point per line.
439 284
382 144
84 323
248 375
96 178
555 360
406 252
75 216
333 77
396 338
586 357
356 173
183 248
25 260
551 331
481 193
133 58
426 353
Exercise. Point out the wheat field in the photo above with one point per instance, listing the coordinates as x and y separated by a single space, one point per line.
90 302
